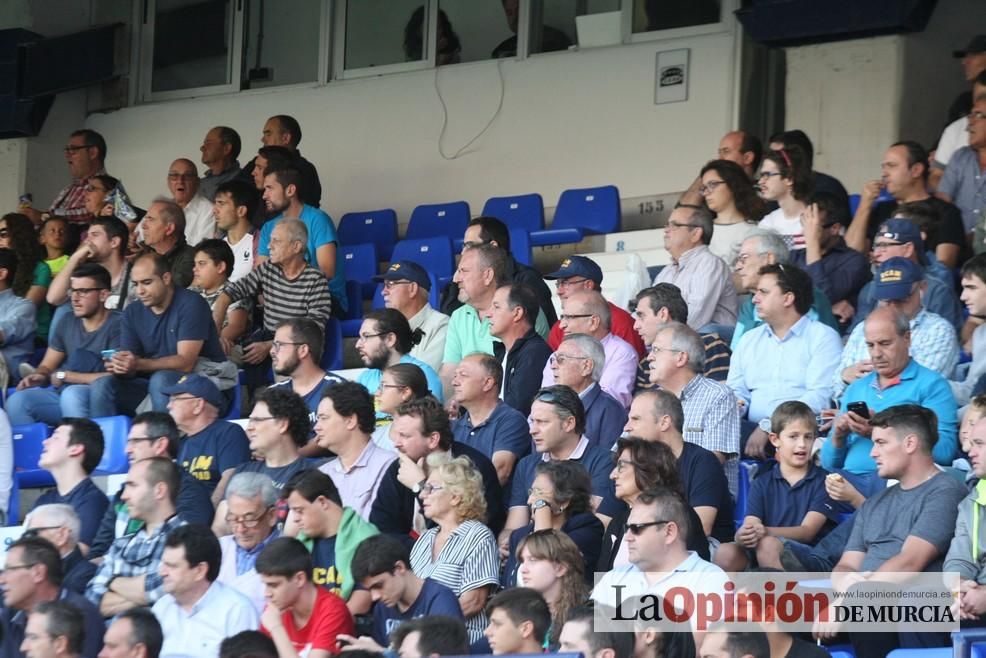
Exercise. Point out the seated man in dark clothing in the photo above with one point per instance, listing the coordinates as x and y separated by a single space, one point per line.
420 428
59 524
520 348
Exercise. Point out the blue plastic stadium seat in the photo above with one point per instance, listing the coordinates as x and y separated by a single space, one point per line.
524 211
438 219
942 652
361 266
236 404
332 352
115 431
376 226
969 643
27 453
742 489
593 210
520 246
433 254
840 651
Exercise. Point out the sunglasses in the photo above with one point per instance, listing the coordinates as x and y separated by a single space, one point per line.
636 529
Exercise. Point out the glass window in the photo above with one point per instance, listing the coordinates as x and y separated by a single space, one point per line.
383 32
554 26
282 40
474 30
192 44
651 15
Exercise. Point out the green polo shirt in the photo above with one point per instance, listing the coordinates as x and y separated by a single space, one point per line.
468 334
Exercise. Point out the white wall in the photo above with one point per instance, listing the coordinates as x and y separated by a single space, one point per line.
568 120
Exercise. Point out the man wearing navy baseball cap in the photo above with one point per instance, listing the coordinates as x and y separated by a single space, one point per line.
580 273
211 445
406 288
899 237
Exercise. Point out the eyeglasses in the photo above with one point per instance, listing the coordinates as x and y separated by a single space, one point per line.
392 386
72 149
623 464
92 188
552 398
636 529
429 489
83 291
673 224
710 186
179 398
247 521
388 285
880 246
574 316
138 439
657 349
18 566
34 532
560 359
277 345
362 338
976 115
4 232
253 420
768 174
472 245
570 281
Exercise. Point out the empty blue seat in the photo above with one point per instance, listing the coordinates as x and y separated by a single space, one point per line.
593 210
27 452
840 651
433 254
376 226
236 404
745 466
524 211
520 246
438 219
968 642
942 652
361 266
332 351
115 431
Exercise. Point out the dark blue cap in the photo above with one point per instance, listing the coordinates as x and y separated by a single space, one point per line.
578 266
896 277
406 270
199 386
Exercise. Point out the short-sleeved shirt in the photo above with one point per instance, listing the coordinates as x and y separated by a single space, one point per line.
70 337
947 230
965 184
370 378
705 486
358 486
324 571
279 475
466 334
242 257
779 504
154 336
314 396
597 462
89 503
321 231
330 618
433 599
890 516
505 429
208 453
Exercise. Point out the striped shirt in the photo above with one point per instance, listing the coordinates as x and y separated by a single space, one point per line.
712 421
717 355
933 345
305 296
70 203
468 560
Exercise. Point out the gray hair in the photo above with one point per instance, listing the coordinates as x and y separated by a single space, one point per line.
770 242
171 213
596 304
704 219
902 325
593 349
57 514
295 229
253 485
685 339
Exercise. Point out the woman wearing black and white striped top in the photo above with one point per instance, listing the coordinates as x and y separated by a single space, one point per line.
461 552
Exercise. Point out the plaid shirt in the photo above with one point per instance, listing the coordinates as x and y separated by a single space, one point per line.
717 355
134 554
712 421
70 203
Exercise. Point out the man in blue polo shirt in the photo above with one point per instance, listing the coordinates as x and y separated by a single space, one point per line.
488 424
211 445
557 426
161 339
382 565
385 339
281 198
896 379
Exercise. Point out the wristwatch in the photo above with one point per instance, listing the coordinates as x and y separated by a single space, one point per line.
764 425
60 375
538 504
416 489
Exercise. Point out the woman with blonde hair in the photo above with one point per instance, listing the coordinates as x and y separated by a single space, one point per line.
552 564
460 552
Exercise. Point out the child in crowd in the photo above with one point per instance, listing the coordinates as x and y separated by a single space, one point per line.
210 276
975 410
54 236
789 501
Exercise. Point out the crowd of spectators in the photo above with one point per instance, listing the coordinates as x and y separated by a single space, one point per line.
458 494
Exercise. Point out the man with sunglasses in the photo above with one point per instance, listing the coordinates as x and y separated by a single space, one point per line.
33 574
59 524
406 288
251 516
72 360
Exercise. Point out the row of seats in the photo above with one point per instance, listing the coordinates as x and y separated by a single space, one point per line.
583 211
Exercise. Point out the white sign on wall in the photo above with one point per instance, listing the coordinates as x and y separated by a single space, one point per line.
671 82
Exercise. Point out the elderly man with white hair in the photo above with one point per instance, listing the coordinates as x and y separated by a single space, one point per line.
587 312
251 515
59 524
578 363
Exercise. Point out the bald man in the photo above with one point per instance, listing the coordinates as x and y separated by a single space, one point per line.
183 183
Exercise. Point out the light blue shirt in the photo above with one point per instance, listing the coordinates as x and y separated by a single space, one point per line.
766 370
370 378
965 184
916 385
220 613
17 317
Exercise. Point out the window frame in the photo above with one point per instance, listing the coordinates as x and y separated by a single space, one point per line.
726 23
339 70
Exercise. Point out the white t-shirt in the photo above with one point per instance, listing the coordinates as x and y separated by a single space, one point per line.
242 257
954 137
200 223
789 227
727 238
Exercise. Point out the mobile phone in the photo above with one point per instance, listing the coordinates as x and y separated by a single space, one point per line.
859 408
107 354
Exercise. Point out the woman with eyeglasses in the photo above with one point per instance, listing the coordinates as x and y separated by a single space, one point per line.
98 190
33 274
560 498
460 552
398 384
785 177
641 466
553 565
729 194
